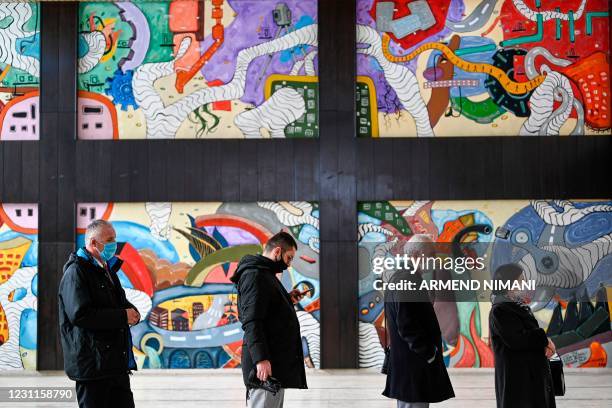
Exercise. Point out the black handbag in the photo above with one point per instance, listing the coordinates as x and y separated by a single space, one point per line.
558 378
385 366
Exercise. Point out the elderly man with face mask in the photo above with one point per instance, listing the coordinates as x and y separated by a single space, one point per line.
94 318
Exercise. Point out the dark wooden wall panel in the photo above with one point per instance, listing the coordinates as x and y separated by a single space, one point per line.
120 172
337 185
285 174
29 172
57 178
11 159
337 170
248 171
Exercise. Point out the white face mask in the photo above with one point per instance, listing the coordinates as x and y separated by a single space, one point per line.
521 296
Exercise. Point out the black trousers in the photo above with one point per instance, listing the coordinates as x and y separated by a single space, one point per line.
112 392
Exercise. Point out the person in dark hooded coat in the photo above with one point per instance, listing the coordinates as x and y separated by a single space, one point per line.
416 373
521 349
272 343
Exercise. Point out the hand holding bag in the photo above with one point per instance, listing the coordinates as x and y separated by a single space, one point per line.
558 378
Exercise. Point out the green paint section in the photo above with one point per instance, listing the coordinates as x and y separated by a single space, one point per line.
589 19
571 26
161 42
364 110
197 275
103 14
306 125
475 50
558 25
384 211
464 312
480 112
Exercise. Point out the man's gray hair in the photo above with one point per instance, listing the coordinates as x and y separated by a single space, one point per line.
94 228
419 244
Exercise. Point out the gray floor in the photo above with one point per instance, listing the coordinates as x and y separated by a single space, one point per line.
587 388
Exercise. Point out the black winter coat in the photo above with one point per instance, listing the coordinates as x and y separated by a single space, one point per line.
95 335
414 335
522 372
270 324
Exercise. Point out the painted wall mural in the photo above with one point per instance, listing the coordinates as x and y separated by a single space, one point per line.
198 69
18 285
19 71
483 67
178 259
565 246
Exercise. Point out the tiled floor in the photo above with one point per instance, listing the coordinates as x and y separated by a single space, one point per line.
587 388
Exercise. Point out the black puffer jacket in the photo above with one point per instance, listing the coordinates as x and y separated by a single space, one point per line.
95 335
270 324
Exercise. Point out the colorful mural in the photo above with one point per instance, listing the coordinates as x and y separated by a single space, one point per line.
483 67
198 69
18 285
565 246
178 259
19 70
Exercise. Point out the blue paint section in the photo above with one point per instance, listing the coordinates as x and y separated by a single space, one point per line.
29 46
83 47
34 285
27 329
19 294
140 238
440 217
31 257
125 281
485 56
287 56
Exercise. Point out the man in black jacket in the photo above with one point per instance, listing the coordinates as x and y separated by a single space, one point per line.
272 344
416 373
94 318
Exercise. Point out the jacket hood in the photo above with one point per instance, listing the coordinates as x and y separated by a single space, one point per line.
71 259
258 262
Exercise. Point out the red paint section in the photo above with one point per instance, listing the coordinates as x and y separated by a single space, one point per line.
135 269
220 105
484 351
439 8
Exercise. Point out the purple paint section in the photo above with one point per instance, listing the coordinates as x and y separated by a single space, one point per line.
251 18
234 236
385 95
140 46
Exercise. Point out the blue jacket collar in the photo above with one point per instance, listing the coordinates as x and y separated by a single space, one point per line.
84 254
